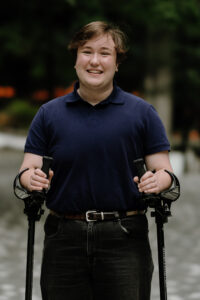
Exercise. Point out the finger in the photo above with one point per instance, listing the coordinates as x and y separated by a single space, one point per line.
147 175
38 185
39 182
35 188
39 172
151 179
51 173
35 185
152 191
136 179
40 179
148 186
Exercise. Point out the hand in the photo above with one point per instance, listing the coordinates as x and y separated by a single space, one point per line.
39 181
36 180
148 183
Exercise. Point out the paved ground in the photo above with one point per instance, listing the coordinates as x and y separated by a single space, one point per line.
182 239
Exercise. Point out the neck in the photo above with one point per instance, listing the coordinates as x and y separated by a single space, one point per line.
94 96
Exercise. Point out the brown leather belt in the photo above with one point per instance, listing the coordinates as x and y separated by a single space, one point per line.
93 215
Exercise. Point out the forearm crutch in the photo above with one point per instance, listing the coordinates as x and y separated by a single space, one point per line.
33 210
161 205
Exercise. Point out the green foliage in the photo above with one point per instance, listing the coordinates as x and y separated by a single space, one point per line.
21 112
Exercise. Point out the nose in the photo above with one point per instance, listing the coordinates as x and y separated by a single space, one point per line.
94 60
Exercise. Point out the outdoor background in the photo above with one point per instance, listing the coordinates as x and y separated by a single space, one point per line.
162 66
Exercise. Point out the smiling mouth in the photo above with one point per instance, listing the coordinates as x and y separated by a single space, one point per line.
94 71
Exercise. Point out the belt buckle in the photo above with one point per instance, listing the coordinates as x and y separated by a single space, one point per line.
87 215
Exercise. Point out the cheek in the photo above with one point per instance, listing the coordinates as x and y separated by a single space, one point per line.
111 65
81 61
113 68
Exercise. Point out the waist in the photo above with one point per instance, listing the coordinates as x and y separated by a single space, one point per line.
93 215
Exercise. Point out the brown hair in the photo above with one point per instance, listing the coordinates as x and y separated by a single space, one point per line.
98 28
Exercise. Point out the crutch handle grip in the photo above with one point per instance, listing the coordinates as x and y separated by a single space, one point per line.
140 167
46 165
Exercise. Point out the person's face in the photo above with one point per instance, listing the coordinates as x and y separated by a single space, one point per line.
96 63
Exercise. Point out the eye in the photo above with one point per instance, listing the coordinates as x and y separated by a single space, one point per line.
87 52
105 53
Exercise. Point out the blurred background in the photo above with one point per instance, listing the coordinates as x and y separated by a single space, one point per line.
163 67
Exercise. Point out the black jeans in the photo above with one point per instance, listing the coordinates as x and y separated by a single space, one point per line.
96 260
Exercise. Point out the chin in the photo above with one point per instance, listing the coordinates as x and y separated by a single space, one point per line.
94 84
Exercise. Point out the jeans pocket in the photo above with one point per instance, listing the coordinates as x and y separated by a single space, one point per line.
123 228
52 226
136 226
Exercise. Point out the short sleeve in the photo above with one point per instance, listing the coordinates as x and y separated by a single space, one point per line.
155 134
36 141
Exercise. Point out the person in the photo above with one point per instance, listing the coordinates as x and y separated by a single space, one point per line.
96 233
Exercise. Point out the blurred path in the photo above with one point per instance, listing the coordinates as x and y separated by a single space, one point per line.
182 239
11 141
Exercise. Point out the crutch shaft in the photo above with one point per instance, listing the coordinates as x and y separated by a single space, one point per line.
161 259
29 263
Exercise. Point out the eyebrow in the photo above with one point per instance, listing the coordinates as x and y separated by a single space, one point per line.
102 48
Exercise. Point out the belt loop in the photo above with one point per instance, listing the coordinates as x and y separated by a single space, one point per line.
102 216
117 215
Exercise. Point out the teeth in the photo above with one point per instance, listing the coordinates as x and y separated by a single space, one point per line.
94 71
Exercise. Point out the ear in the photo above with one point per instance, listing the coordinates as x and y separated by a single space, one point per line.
116 69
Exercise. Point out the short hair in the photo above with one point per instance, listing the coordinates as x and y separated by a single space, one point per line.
98 28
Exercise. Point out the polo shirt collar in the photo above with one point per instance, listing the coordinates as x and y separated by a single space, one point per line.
115 97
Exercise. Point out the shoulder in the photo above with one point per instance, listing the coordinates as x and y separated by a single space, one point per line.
142 110
52 110
57 103
56 106
133 102
130 98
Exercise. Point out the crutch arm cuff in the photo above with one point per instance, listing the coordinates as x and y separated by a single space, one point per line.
19 191
173 193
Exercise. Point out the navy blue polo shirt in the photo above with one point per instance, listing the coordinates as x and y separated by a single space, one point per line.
93 148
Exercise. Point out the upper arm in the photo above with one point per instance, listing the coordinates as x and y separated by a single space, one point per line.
31 161
158 161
